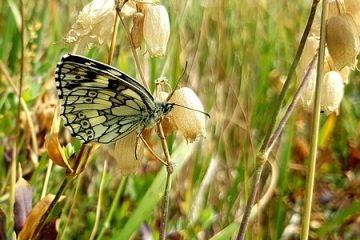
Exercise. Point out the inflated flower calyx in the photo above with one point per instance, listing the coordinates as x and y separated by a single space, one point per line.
342 40
332 92
190 122
156 30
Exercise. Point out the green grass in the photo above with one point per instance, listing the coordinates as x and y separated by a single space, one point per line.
234 51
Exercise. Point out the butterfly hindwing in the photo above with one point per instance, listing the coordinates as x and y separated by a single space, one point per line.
99 103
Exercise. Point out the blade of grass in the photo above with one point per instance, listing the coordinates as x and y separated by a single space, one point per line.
314 128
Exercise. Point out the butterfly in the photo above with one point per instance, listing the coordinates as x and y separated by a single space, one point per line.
99 103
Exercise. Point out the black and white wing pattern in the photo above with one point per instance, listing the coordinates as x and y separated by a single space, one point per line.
99 103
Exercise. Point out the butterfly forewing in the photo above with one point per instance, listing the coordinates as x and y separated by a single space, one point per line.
98 102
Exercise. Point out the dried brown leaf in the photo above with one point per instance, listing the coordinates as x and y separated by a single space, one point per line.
35 215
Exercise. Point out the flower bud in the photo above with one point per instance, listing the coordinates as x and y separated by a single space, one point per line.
189 122
156 30
332 92
342 40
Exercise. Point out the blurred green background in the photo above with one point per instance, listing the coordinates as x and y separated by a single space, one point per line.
238 54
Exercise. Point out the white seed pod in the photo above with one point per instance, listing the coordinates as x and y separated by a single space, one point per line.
353 8
93 25
190 123
332 92
342 40
156 30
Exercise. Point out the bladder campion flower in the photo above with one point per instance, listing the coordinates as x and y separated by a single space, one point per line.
93 25
156 30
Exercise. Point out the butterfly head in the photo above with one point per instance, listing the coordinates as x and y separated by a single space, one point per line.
167 107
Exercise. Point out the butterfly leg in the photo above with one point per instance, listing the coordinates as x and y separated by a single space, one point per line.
137 144
152 151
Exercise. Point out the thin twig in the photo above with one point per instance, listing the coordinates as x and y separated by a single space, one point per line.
113 39
315 127
291 107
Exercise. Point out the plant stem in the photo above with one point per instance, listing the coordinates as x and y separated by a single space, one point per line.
293 67
314 128
165 207
269 139
251 200
15 151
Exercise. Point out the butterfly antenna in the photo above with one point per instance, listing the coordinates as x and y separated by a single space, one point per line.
192 109
177 83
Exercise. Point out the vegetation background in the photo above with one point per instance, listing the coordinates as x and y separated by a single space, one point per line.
238 54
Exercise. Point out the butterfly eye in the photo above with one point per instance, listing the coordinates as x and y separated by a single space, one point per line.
92 94
85 123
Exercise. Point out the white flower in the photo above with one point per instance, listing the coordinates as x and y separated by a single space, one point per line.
156 30
332 92
93 25
189 122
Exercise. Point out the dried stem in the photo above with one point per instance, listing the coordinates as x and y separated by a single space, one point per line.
165 204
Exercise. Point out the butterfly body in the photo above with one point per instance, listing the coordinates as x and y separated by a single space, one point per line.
99 103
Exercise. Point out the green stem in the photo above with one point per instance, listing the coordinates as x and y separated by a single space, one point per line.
314 129
113 207
15 154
